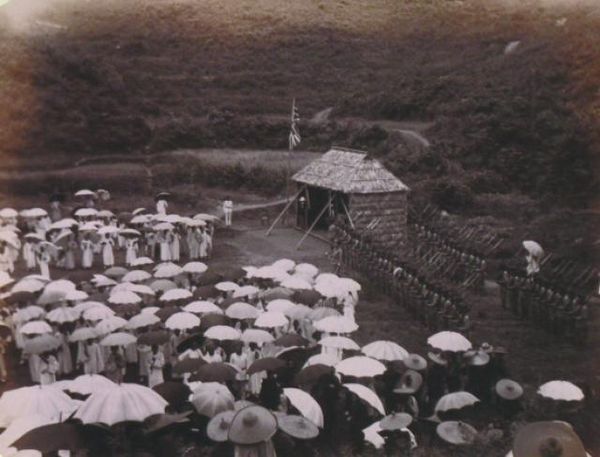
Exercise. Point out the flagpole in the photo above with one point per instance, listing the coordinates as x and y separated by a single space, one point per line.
289 154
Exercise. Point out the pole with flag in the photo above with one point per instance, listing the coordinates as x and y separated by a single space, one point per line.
293 141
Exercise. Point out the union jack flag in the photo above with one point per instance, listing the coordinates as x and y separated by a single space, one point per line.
294 138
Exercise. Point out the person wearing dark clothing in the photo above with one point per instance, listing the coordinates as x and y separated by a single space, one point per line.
270 392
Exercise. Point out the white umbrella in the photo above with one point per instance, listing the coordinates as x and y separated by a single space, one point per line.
226 286
449 341
124 297
36 212
330 289
167 270
561 390
108 230
269 272
195 267
533 248
241 310
371 434
124 402
86 212
35 328
202 307
176 294
141 261
455 400
307 270
103 281
89 227
82 334
28 285
339 342
8 213
163 226
182 321
206 217
284 264
254 335
142 320
75 295
360 367
305 404
28 313
141 289
84 306
118 339
327 277
296 283
211 398
366 394
150 310
336 324
109 325
62 314
98 313
222 332
136 276
322 359
20 426
65 223
141 219
88 384
85 193
385 350
280 305
245 291
45 401
271 319
298 312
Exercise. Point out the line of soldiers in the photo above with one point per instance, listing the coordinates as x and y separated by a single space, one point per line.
435 305
448 259
560 311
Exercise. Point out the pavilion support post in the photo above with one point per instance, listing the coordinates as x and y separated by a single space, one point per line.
347 214
314 224
283 211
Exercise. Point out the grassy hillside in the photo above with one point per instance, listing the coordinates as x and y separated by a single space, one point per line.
135 76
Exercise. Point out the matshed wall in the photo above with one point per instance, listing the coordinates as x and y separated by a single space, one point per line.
392 211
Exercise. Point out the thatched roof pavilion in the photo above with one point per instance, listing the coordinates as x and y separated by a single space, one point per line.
357 187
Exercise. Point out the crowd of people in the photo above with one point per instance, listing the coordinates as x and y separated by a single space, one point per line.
558 310
435 305
247 361
446 258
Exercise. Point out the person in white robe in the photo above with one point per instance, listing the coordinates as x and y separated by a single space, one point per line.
165 251
108 257
34 363
43 259
203 247
131 245
227 210
161 207
48 368
87 252
29 255
156 362
92 358
144 353
175 246
65 360
69 259
239 359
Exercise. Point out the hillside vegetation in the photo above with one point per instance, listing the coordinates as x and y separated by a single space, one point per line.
514 136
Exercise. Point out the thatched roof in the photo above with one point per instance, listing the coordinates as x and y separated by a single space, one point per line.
349 171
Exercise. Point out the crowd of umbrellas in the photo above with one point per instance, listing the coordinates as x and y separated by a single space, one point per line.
248 354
